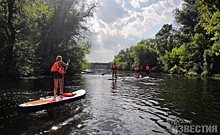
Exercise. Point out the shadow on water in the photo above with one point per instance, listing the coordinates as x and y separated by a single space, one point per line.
124 106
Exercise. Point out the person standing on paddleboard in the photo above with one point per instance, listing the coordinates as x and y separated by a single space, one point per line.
137 69
58 70
114 71
147 69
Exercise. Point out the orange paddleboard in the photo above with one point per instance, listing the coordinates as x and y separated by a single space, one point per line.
49 101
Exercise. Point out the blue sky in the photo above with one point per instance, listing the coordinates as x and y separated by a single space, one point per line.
120 24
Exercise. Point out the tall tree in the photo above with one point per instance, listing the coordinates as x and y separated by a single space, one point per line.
66 28
140 54
33 32
187 16
209 21
163 39
124 60
7 25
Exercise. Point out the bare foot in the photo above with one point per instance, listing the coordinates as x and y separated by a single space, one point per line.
61 97
54 99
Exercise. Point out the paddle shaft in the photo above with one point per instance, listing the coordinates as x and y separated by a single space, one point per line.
106 73
67 65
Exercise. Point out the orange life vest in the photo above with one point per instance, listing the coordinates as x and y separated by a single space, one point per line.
114 67
147 67
137 68
57 68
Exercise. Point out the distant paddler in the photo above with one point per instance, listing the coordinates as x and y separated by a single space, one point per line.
137 69
147 70
114 71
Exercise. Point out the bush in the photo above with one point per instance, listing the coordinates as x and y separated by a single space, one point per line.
177 70
216 76
192 73
204 73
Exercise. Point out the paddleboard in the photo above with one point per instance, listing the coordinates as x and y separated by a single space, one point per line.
112 79
136 76
147 77
148 83
43 102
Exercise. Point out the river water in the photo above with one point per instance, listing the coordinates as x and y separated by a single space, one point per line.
161 104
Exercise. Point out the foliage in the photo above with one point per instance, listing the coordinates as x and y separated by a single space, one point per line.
33 33
177 70
192 73
192 48
187 16
141 54
195 46
163 39
124 60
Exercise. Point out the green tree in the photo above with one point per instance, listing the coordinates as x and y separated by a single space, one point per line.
187 16
124 60
66 28
7 26
209 21
140 54
33 32
143 55
163 39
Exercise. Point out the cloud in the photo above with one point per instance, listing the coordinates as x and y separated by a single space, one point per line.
120 24
110 11
138 3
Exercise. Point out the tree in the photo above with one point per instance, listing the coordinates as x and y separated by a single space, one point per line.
164 40
187 16
33 32
7 27
209 21
124 60
140 54
66 28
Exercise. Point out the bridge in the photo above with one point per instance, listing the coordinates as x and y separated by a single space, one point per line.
98 67
101 65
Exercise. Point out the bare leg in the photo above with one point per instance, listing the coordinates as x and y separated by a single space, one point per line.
112 74
61 81
116 74
55 88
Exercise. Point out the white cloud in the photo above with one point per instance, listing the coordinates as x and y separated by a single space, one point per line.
122 23
137 3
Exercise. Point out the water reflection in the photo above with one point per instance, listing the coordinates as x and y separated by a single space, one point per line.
114 86
126 106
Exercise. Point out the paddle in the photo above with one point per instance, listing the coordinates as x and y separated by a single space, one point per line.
68 65
65 73
105 73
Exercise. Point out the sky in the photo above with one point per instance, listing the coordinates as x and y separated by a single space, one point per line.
120 24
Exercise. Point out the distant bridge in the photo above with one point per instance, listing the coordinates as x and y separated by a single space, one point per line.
101 65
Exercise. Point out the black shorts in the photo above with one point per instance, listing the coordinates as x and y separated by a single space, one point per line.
137 71
147 72
57 75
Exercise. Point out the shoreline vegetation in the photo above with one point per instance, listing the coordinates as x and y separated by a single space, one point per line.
33 33
29 40
191 49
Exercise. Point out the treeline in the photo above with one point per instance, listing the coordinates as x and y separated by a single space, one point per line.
137 55
34 32
192 47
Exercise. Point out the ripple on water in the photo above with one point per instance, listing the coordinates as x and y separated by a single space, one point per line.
126 107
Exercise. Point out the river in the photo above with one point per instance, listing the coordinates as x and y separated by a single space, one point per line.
161 104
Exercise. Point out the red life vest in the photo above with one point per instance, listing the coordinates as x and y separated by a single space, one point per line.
114 67
137 68
147 67
57 68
